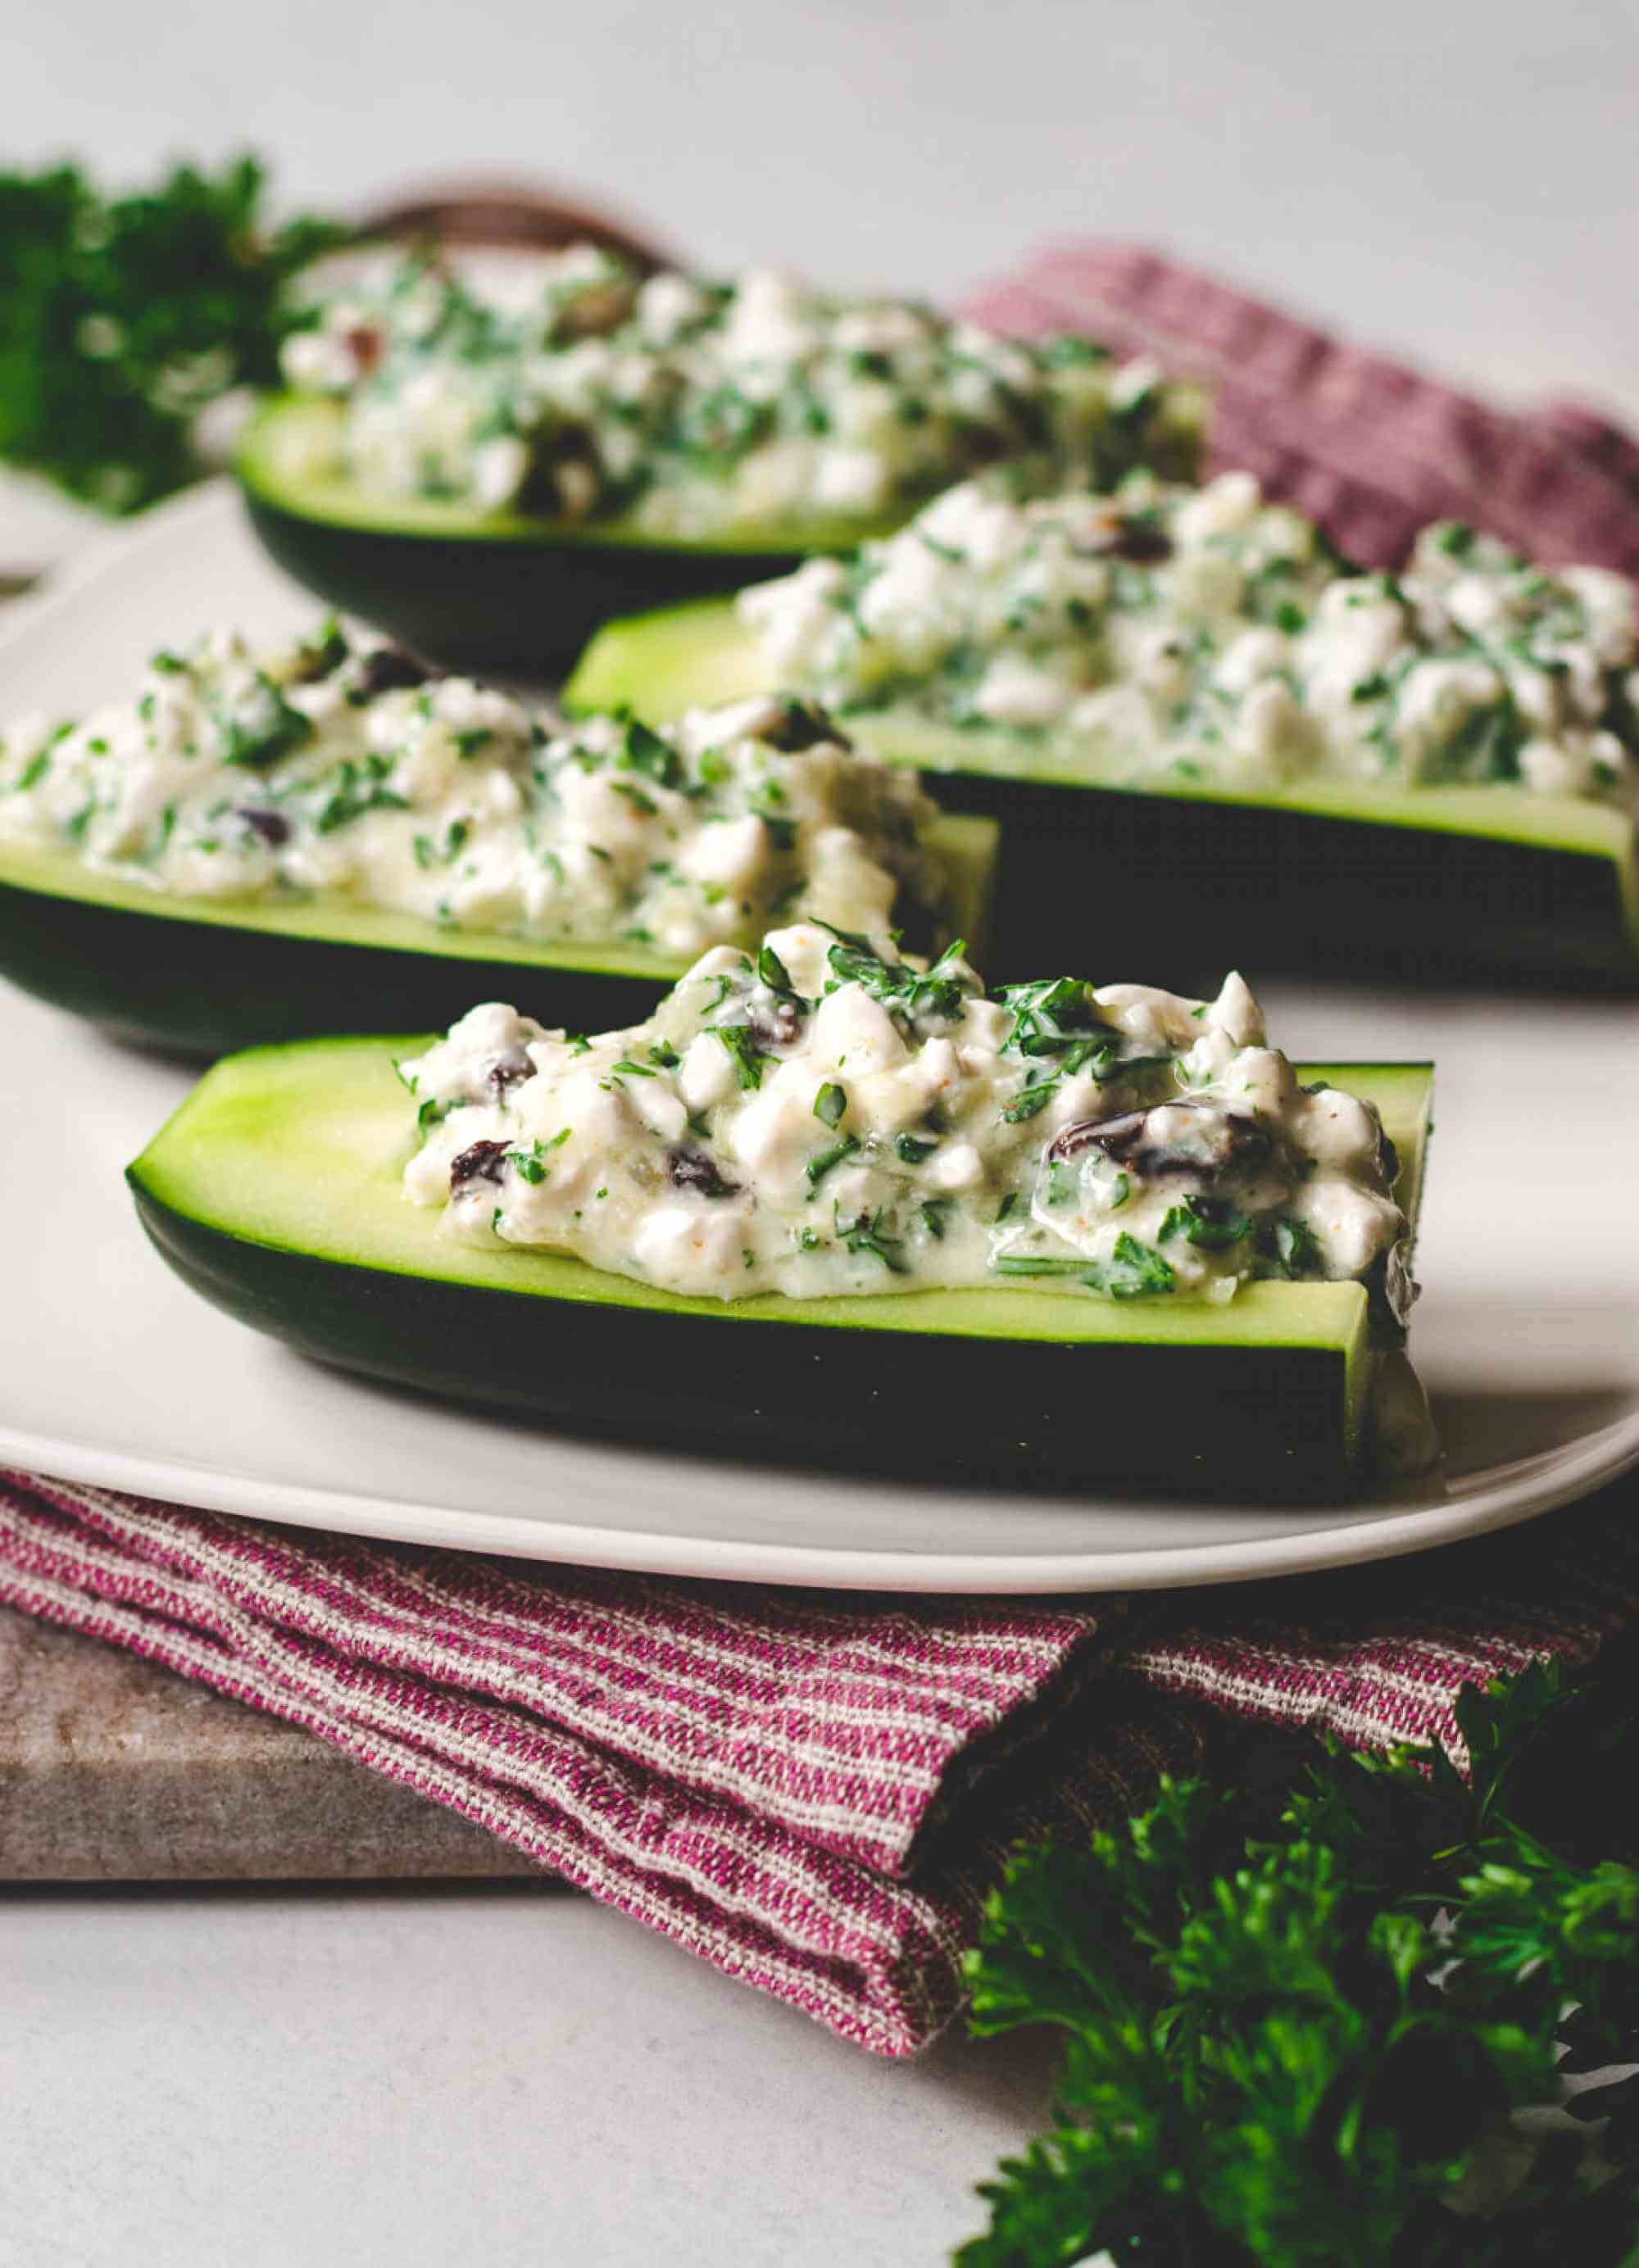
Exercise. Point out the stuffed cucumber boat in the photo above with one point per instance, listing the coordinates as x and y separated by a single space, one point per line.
325 837
825 1202
489 480
1180 696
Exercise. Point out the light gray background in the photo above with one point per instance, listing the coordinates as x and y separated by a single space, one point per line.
1457 175
421 2081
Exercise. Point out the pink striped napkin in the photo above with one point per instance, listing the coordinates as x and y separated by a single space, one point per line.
812 1792
1367 446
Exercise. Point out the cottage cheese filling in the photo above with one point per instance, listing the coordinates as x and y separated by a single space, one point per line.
1181 633
824 1118
701 409
341 766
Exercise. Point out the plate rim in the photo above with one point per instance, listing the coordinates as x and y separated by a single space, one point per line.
1535 1485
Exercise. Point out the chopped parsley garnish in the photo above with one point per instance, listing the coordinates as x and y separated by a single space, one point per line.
262 740
1289 1247
936 995
829 1103
1034 1098
359 788
1211 1224
644 805
1132 1271
748 1058
643 750
866 1234
911 1149
772 971
819 1167
1056 1023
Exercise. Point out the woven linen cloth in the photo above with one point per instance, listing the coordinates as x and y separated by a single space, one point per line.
812 1791
1367 446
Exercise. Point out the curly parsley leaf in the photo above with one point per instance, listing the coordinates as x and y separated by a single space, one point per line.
122 318
1274 2053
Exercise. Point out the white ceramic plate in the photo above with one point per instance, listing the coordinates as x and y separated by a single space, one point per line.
110 1372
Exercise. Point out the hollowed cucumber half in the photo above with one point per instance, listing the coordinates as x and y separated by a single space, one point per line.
1435 883
487 591
274 1192
201 977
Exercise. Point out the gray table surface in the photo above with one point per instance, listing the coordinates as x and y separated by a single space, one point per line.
420 2077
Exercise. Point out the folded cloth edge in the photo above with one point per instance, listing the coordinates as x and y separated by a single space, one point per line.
875 1955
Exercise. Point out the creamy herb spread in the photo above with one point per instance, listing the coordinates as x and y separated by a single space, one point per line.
700 408
1205 633
340 765
822 1118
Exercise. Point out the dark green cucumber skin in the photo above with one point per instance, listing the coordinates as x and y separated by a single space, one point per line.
1262 1422
522 608
202 988
1189 888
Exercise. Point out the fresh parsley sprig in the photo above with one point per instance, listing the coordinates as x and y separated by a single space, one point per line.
1297 2018
122 318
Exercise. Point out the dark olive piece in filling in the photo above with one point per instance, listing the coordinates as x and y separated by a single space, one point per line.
800 724
388 669
485 1161
269 826
776 1026
508 1071
693 1169
1214 1141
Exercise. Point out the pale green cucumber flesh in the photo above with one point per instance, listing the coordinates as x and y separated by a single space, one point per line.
203 975
291 432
